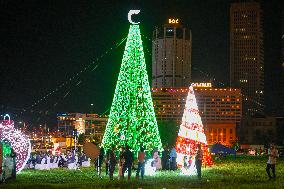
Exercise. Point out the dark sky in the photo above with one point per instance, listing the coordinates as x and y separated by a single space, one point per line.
45 43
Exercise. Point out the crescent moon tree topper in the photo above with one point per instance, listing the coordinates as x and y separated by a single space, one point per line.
130 13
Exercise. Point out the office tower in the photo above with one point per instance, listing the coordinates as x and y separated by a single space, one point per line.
171 55
246 55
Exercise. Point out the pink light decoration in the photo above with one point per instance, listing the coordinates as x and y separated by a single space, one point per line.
19 142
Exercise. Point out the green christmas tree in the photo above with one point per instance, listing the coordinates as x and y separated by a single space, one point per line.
132 118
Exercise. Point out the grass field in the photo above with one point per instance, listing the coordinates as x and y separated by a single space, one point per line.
243 172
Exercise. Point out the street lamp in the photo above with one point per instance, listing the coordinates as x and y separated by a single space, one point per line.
92 106
90 126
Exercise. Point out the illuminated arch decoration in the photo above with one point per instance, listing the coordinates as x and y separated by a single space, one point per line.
20 142
132 118
191 133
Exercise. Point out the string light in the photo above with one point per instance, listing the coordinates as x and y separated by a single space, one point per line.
77 75
132 118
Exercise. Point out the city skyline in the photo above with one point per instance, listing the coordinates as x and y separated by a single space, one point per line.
45 45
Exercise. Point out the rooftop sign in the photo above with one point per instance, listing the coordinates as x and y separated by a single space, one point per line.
202 85
173 21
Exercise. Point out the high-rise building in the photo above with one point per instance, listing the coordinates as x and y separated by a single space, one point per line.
171 55
220 109
246 55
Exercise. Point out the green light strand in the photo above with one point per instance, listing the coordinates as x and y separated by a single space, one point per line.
132 118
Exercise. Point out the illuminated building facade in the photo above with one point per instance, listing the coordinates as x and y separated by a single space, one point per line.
246 55
171 55
220 109
89 124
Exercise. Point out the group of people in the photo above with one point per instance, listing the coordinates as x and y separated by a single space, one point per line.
46 161
125 162
169 159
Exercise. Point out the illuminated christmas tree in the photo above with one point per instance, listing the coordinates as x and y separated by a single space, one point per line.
132 118
191 133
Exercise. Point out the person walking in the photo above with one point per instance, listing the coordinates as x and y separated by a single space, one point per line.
198 160
111 159
273 155
128 157
141 163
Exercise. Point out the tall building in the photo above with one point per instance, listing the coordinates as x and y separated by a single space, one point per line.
220 109
171 55
246 55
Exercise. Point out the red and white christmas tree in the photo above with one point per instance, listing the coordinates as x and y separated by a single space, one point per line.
191 133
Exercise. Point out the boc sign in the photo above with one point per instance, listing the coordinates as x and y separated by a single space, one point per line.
173 21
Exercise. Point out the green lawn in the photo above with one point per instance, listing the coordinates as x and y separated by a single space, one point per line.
244 172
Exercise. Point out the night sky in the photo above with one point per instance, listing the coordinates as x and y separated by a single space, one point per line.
45 43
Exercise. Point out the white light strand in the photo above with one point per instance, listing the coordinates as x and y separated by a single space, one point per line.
76 75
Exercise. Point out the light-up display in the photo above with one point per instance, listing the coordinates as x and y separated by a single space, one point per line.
173 21
130 13
190 134
132 118
19 142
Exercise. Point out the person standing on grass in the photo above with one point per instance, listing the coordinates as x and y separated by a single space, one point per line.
165 158
198 160
273 155
99 161
106 161
128 157
173 159
141 163
157 160
121 161
111 159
